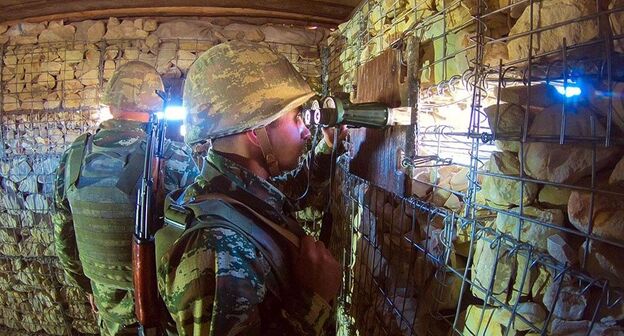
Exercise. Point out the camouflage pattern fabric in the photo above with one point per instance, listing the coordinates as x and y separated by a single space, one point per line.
216 282
133 88
237 86
115 305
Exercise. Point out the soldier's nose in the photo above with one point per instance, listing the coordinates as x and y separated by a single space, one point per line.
305 133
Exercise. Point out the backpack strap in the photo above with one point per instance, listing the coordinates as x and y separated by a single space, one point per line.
280 230
221 211
75 159
133 170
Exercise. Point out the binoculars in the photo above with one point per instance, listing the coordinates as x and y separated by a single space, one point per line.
333 111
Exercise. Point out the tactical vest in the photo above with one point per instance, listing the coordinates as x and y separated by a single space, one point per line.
221 211
101 185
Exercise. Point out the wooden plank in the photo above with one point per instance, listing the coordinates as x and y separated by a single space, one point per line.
314 12
376 150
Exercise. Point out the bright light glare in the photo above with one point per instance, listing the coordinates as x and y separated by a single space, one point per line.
105 113
569 91
172 113
183 130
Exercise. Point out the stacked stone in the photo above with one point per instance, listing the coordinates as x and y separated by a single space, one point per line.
447 29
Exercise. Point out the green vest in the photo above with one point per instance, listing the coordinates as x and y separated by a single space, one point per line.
101 184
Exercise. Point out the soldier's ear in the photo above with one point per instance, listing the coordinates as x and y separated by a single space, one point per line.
252 136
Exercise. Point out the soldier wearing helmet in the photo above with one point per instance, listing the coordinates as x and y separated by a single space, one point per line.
95 196
233 261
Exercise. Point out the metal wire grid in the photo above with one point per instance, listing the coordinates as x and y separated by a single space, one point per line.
43 109
470 145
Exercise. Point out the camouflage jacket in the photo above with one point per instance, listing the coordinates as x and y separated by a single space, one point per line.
180 170
215 281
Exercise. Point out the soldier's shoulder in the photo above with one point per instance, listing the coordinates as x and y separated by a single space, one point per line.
218 241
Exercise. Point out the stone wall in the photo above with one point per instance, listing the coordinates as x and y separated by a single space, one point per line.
527 260
52 79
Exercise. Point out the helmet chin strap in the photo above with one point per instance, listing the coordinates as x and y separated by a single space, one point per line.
267 151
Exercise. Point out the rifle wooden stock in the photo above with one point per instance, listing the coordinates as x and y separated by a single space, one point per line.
147 304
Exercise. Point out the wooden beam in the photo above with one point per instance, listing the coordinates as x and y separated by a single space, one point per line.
312 13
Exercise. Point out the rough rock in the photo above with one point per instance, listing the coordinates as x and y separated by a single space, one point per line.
506 122
608 214
617 176
279 34
72 56
57 34
542 95
71 100
420 185
571 303
471 322
604 261
534 233
552 196
37 203
90 30
125 30
184 60
46 167
26 28
90 77
617 24
8 220
600 97
532 312
459 181
547 13
241 31
503 191
559 327
13 203
150 25
485 274
187 29
10 103
20 170
569 162
559 249
29 185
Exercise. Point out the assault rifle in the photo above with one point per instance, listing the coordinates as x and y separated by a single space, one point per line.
147 302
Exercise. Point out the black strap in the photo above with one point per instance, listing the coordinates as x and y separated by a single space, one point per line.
75 159
128 178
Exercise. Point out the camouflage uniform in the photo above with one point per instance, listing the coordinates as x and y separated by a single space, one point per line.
215 282
215 279
110 284
115 306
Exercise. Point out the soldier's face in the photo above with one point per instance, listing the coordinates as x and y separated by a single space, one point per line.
288 136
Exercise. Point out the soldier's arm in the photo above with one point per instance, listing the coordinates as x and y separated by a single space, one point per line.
180 168
64 234
294 183
212 281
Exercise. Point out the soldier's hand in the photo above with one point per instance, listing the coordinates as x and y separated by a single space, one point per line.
328 134
317 270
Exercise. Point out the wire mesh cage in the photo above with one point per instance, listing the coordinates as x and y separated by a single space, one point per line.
512 222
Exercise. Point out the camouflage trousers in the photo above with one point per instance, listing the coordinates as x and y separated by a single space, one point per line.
115 310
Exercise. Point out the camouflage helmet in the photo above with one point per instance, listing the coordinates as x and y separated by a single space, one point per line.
133 88
238 86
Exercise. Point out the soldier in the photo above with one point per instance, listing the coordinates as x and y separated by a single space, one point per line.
235 268
95 196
